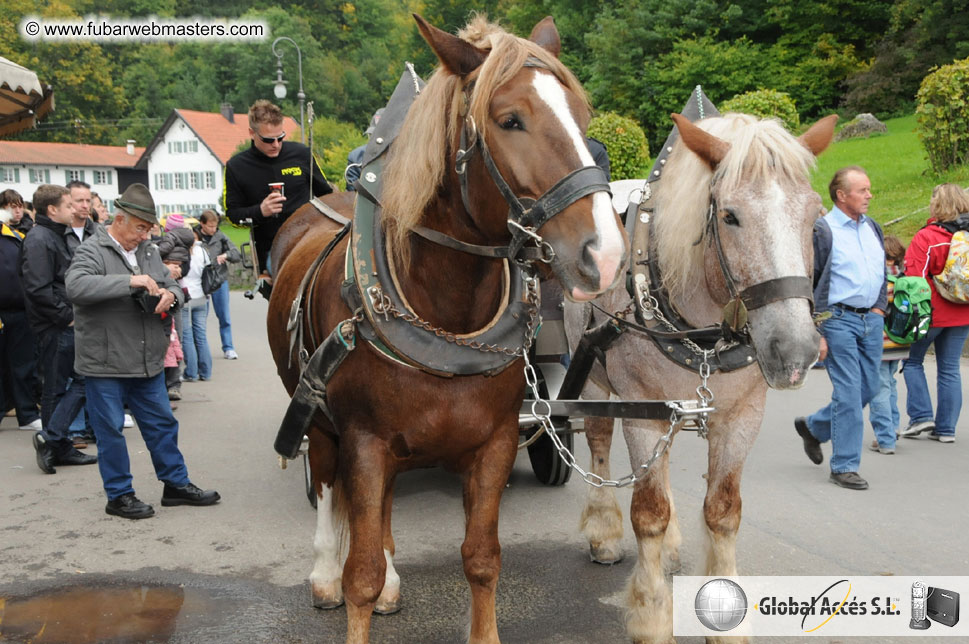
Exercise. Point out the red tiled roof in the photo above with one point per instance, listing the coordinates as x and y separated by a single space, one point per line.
223 137
72 154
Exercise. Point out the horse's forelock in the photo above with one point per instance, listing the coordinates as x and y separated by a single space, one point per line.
760 150
412 179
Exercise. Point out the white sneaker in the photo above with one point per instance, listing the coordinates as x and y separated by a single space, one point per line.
914 429
231 355
942 438
128 421
33 426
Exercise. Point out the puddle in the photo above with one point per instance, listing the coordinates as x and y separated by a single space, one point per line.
89 615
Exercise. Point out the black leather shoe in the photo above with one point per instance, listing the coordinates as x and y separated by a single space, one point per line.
812 446
129 507
850 480
45 454
75 457
188 495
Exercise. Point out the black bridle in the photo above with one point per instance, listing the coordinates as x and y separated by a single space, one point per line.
758 295
525 215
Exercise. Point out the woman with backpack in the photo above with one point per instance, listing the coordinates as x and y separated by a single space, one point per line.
942 260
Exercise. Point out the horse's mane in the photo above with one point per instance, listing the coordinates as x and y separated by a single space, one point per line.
418 159
759 151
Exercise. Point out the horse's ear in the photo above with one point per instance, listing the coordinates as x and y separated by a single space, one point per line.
546 36
703 144
458 56
818 136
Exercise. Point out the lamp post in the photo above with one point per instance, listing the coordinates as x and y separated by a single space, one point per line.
279 88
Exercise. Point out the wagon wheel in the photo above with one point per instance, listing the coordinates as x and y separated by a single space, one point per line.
548 466
308 478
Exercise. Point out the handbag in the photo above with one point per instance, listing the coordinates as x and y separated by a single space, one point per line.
213 275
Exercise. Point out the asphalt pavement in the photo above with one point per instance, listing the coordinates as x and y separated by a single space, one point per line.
237 572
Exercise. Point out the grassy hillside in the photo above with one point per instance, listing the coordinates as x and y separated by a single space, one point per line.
901 181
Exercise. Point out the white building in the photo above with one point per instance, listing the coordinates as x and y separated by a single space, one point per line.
186 159
25 165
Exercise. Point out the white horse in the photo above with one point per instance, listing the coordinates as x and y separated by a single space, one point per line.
756 175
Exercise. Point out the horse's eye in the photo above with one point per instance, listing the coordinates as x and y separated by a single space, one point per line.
511 123
730 218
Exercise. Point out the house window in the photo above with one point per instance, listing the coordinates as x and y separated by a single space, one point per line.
179 185
75 175
209 180
193 146
102 177
10 175
195 180
163 181
38 176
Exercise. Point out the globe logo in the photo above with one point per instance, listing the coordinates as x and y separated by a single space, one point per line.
721 605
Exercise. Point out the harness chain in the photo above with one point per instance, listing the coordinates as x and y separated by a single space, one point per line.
383 306
679 416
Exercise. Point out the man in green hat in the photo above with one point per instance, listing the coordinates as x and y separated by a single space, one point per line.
123 298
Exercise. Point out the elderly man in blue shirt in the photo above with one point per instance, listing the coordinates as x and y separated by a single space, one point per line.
849 282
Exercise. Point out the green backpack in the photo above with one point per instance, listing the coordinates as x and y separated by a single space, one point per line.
909 314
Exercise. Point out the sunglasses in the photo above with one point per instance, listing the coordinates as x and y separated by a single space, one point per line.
272 139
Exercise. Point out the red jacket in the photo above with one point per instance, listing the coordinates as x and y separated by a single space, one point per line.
932 244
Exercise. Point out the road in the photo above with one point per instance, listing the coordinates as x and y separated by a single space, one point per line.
237 572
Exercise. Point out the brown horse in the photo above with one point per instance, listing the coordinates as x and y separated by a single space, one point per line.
388 417
752 175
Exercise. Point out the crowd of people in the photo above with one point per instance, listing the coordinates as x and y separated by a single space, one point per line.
90 310
102 319
855 265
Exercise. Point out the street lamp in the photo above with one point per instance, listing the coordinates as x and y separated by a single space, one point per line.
279 88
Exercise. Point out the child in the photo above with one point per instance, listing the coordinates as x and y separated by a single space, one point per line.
173 356
883 408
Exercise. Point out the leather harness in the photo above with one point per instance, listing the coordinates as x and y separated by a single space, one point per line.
381 313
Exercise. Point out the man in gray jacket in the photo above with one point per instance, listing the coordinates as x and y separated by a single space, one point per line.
123 298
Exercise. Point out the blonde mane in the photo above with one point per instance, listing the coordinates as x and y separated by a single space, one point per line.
418 160
760 150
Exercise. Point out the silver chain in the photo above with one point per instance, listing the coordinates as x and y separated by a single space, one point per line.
650 307
382 305
681 412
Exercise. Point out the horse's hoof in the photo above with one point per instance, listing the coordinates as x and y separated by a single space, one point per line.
327 604
605 555
387 608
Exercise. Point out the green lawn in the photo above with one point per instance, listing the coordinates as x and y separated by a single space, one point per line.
238 234
901 181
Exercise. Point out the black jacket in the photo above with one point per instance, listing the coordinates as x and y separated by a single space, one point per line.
90 226
26 223
246 183
11 292
46 258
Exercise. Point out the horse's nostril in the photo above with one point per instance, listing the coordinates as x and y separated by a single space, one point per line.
587 263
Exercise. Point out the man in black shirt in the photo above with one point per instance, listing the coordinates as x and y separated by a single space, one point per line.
269 159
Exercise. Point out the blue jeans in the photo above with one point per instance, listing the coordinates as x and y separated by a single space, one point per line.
883 408
63 394
148 400
854 353
220 302
195 346
948 349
